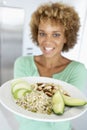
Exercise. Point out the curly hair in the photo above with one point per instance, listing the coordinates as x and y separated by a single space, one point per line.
60 13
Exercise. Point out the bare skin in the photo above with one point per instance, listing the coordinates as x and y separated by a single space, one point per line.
51 39
47 68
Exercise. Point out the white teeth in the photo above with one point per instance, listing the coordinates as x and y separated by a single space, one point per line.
48 48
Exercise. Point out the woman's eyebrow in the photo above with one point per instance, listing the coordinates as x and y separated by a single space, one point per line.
40 30
57 31
52 31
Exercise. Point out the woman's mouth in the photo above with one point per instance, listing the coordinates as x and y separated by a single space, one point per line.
48 49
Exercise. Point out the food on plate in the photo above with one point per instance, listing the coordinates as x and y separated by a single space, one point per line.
58 103
44 98
20 93
36 101
70 101
20 88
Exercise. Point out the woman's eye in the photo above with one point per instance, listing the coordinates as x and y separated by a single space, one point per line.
41 34
56 35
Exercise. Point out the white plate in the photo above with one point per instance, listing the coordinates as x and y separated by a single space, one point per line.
7 101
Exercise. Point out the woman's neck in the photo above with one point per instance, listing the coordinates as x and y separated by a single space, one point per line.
51 62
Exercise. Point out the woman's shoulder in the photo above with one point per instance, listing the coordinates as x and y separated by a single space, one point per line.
24 61
77 64
78 67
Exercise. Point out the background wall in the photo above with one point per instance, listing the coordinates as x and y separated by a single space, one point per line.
77 53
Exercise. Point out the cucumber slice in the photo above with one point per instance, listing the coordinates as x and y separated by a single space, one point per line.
58 103
16 81
18 84
20 93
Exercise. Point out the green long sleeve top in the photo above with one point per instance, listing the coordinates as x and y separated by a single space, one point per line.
75 73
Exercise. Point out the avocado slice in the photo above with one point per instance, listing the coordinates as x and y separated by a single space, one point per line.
70 101
58 103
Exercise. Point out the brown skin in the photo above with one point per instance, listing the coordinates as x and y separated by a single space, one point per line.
51 40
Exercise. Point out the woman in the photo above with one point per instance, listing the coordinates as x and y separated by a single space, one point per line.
54 29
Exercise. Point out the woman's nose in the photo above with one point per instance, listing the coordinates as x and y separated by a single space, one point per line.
48 39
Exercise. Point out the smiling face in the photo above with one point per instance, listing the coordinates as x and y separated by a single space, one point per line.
51 38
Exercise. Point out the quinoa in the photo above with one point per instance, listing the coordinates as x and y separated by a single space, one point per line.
36 101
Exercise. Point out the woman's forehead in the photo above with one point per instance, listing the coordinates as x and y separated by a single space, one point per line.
49 25
51 22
